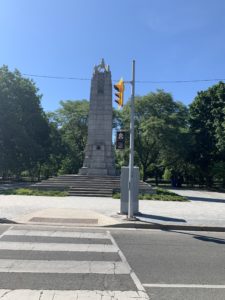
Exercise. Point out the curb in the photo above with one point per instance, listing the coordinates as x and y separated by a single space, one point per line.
168 227
129 225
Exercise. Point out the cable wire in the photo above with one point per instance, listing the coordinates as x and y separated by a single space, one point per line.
137 81
180 81
55 77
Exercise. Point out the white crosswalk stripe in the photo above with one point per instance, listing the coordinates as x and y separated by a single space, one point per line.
57 233
30 275
57 247
84 267
71 295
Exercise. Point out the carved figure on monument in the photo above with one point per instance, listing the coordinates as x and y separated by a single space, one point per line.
99 155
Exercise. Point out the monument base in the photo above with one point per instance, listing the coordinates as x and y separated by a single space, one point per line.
96 171
99 160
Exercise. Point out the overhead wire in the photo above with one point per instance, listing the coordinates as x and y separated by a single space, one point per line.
137 81
55 77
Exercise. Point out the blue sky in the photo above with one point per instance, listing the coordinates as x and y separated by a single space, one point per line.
169 39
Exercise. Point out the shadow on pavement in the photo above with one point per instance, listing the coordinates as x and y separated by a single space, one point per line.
145 221
200 237
6 221
161 218
210 239
206 199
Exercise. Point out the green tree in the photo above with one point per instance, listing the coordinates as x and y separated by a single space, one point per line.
72 122
24 130
57 150
207 124
160 122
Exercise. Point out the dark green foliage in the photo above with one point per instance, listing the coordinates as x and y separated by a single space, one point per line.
72 123
163 197
34 192
159 194
207 124
161 133
24 129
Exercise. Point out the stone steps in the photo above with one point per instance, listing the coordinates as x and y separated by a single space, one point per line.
88 188
89 193
59 180
83 185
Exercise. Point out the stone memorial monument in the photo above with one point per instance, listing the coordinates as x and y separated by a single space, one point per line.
99 155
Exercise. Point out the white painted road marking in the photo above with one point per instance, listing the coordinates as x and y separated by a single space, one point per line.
85 235
67 267
20 266
69 295
195 286
57 247
7 230
137 282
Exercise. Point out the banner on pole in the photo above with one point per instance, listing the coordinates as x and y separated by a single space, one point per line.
120 140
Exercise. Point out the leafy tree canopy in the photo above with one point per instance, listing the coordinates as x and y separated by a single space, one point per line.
207 124
72 122
24 130
160 124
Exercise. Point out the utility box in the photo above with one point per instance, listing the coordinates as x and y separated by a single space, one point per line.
124 198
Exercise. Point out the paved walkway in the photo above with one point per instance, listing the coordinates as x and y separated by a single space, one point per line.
204 209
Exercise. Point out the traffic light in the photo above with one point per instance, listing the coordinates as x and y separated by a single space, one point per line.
120 140
119 87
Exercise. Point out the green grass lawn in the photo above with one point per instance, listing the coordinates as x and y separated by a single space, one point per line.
34 192
160 195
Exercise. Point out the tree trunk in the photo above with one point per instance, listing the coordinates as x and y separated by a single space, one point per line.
156 179
209 181
144 174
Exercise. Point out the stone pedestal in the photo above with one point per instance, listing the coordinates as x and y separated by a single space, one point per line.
124 180
99 156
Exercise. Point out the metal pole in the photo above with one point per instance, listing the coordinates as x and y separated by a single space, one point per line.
131 156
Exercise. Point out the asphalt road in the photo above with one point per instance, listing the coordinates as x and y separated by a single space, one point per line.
169 264
176 264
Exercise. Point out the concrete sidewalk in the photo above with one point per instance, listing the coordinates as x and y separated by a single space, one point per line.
205 211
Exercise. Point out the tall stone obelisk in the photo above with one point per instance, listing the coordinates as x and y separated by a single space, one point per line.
99 156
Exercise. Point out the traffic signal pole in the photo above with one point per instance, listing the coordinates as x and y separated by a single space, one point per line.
131 156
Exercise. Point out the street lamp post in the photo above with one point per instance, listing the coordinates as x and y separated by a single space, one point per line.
131 156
